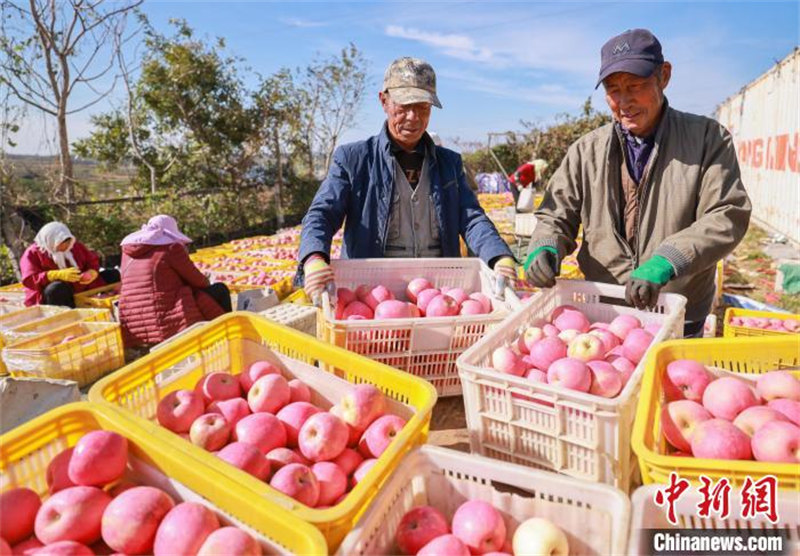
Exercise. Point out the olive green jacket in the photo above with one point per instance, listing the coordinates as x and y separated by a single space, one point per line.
693 207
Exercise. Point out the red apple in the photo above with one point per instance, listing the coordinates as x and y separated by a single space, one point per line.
448 545
416 286
726 397
361 405
297 481
789 408
505 360
57 474
234 410
546 351
184 529
72 514
269 393
753 418
442 306
606 380
778 441
247 458
131 520
332 482
570 373
322 437
586 347
362 470
262 430
18 509
720 439
622 325
571 319
210 431
425 297
218 386
179 409
348 460
379 435
293 416
483 300
255 371
64 548
230 541
636 343
418 527
479 526
778 384
28 547
298 391
100 457
686 379
679 420
278 457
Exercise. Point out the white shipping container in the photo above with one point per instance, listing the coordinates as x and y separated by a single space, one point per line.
765 123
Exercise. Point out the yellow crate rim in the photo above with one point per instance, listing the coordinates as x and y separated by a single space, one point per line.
415 391
783 351
298 537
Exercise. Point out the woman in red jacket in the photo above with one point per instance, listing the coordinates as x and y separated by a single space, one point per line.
162 291
57 266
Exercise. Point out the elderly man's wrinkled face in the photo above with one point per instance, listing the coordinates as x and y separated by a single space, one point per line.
407 122
635 101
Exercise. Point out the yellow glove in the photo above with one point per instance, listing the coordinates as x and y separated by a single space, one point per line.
318 274
89 276
70 274
505 272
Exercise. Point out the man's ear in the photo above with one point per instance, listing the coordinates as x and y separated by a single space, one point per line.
666 74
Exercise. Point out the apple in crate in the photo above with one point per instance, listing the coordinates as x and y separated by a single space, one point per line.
479 526
210 431
262 430
505 360
332 482
230 541
361 405
778 441
778 384
359 309
255 371
73 514
28 547
726 397
483 299
609 339
57 475
570 373
586 347
293 416
686 379
269 393
218 386
64 548
184 529
457 294
753 418
623 365
247 458
606 380
348 461
297 481
379 435
179 409
394 309
425 297
546 352
298 391
18 508
278 457
622 325
679 420
362 470
131 519
100 457
234 410
416 286
446 544
720 439
571 319
540 536
442 306
531 335
471 307
636 343
789 408
418 527
322 437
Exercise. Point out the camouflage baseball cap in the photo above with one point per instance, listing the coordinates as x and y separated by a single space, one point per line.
411 80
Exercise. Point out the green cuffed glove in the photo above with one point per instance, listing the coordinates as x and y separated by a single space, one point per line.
542 266
646 282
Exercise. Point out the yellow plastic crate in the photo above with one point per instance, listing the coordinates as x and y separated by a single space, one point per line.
87 299
282 288
24 315
26 451
13 294
48 324
741 356
94 350
731 331
299 297
229 344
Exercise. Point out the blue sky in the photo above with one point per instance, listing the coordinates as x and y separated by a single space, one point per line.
497 62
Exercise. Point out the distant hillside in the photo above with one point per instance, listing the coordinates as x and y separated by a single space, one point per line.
37 171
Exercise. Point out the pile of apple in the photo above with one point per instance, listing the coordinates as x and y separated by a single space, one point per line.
730 418
571 352
378 302
267 426
93 510
763 323
477 528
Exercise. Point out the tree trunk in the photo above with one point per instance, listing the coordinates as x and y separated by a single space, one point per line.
66 180
279 180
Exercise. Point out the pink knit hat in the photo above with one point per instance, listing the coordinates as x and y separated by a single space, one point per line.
159 230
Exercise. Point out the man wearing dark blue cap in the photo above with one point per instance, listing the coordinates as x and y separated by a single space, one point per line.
658 191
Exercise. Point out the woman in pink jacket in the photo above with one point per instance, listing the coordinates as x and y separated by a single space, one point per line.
57 266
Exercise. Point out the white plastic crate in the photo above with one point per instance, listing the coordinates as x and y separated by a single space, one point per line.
646 514
424 347
539 425
524 224
299 317
594 517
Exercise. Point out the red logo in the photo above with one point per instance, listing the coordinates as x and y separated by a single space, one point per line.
670 495
717 499
759 498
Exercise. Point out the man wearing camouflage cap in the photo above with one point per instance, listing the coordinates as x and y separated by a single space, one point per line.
658 191
397 193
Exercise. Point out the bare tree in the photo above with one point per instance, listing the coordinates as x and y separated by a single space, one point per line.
337 87
51 50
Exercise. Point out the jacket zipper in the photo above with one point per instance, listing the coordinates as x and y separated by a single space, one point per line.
642 193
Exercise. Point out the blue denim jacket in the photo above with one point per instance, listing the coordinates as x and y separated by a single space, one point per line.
358 192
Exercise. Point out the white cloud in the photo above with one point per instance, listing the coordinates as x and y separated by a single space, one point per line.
457 46
302 23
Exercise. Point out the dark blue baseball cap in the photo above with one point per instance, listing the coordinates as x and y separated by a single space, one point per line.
635 51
